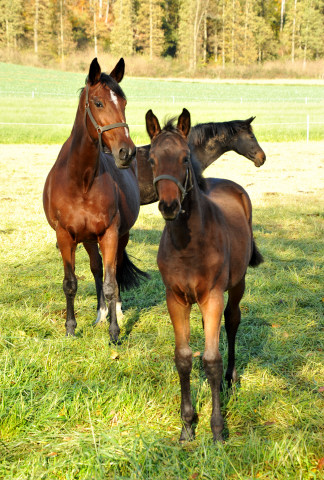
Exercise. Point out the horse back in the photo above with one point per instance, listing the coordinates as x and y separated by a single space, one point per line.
224 193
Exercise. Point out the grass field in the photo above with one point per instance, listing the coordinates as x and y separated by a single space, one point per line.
84 409
44 103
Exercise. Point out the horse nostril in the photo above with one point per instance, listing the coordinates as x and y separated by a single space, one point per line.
123 153
168 209
126 153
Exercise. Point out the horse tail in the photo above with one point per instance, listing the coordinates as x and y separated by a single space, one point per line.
256 257
128 275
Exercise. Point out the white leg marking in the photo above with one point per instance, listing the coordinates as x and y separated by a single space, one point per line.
119 311
102 314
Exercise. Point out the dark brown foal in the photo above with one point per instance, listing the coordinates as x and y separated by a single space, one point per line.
206 246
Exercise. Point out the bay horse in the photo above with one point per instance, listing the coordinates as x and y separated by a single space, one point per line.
205 249
208 141
88 199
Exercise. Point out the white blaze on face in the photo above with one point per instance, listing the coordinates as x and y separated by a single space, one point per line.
114 98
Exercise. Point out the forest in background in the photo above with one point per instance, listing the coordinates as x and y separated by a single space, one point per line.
178 36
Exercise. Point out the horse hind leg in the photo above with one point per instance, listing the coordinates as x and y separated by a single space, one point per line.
232 316
97 272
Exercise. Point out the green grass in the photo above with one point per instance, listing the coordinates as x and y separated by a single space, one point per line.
71 410
33 95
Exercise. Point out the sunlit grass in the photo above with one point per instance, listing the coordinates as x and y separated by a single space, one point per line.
82 408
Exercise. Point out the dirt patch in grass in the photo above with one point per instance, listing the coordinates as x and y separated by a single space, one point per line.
291 168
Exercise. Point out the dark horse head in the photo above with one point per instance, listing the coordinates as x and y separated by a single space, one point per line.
105 104
170 160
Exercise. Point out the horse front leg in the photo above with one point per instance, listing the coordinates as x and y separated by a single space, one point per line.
97 272
70 284
232 316
212 311
183 359
109 245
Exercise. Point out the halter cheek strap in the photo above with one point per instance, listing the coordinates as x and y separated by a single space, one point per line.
94 123
183 188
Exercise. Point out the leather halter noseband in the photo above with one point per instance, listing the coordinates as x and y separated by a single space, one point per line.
183 188
94 123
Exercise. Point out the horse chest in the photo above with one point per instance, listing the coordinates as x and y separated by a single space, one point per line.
85 218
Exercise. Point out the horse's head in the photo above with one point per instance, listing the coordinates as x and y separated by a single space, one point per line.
170 161
245 143
105 104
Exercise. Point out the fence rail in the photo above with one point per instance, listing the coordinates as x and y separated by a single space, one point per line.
179 98
307 124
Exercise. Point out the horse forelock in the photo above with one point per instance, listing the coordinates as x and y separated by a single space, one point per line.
202 132
169 130
108 81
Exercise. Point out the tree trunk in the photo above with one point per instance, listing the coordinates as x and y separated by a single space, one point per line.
151 30
282 13
61 31
95 30
293 33
223 34
36 26
216 44
205 39
233 31
107 12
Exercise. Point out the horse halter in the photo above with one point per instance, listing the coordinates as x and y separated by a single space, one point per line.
94 123
183 188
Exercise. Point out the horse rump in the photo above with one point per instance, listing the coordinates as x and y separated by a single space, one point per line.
128 275
256 257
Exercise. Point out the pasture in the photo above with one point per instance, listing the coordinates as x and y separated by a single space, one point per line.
82 408
85 409
38 106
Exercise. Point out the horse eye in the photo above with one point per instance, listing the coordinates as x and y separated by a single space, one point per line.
151 161
98 104
186 161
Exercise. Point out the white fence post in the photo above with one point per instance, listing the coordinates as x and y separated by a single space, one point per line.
307 130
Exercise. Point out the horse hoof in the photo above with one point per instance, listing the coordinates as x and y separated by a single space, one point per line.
187 435
70 334
218 438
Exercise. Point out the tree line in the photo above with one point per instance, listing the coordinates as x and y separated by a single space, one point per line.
198 32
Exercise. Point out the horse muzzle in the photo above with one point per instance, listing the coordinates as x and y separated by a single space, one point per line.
171 210
259 159
124 157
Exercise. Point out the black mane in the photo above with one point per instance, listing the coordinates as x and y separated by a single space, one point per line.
202 132
196 166
111 83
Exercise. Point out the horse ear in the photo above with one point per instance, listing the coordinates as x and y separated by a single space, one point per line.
249 120
152 124
118 72
184 122
94 72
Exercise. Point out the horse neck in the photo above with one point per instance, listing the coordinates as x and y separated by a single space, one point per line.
83 160
190 221
210 149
